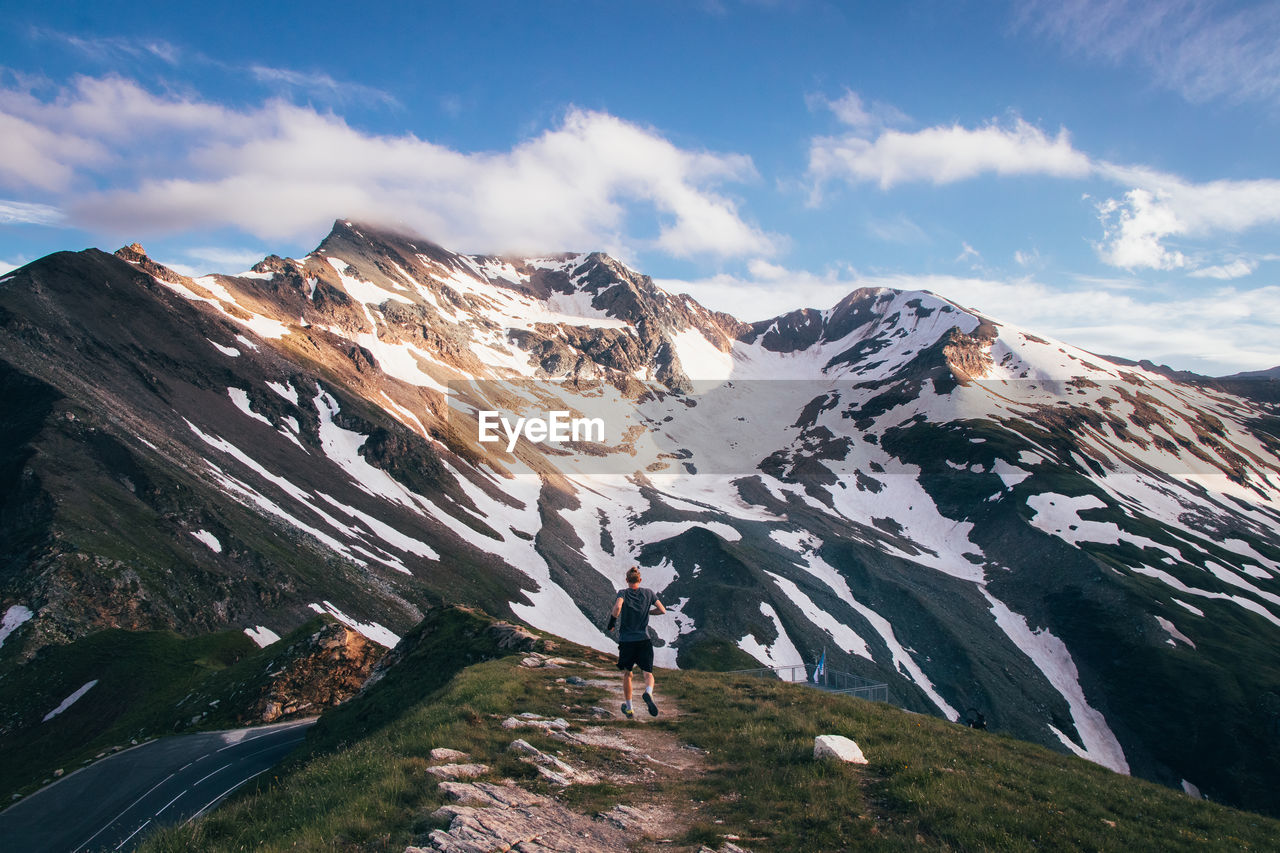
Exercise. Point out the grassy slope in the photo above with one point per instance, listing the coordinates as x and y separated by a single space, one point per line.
929 783
149 683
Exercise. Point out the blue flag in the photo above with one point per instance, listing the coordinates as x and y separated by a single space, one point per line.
821 667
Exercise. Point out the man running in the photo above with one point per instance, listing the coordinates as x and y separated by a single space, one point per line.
634 606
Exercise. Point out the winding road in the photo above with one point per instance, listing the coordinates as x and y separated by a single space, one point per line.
114 803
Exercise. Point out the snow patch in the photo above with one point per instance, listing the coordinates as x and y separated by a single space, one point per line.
385 532
1010 474
13 618
227 351
842 635
657 531
1059 515
782 653
241 398
699 358
262 635
670 628
369 630
284 389
903 661
1051 657
209 540
69 701
1196 610
363 291
1246 603
1174 633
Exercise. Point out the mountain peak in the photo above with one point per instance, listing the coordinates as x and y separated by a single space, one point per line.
136 255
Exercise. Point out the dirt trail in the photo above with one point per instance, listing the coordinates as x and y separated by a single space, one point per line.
602 747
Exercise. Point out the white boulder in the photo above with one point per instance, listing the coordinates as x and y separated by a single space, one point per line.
838 748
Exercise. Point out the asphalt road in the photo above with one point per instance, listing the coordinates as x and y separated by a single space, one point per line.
114 803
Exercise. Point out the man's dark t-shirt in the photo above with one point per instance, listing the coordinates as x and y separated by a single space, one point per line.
633 623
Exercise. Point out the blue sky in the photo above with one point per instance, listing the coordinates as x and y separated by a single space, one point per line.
1104 171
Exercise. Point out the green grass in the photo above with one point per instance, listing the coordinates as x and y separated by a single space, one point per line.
363 785
150 683
929 782
141 676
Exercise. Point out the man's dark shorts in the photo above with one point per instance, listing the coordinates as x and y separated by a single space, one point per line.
635 652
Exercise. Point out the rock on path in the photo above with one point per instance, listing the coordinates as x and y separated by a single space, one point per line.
493 817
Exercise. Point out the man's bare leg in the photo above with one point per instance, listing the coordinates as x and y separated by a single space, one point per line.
648 694
626 694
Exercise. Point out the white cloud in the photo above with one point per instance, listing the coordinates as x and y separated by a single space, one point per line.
1140 228
7 267
279 170
1137 227
225 260
1239 268
1202 49
32 156
1029 258
1133 230
943 155
27 213
968 254
862 117
767 289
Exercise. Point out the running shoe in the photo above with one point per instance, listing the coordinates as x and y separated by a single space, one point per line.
653 709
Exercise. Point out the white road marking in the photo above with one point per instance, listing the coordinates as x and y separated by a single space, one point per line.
132 834
122 814
202 778
224 793
171 802
272 746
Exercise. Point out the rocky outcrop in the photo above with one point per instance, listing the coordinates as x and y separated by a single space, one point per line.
506 817
321 671
969 356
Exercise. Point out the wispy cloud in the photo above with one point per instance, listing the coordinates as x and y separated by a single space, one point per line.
1239 268
316 85
279 170
224 259
27 213
850 109
969 255
898 229
111 48
1201 49
320 85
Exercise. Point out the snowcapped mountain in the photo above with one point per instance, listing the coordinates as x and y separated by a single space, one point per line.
1087 551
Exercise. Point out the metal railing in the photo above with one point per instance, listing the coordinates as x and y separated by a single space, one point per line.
832 681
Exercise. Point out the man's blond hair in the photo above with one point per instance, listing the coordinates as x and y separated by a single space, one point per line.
633 575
